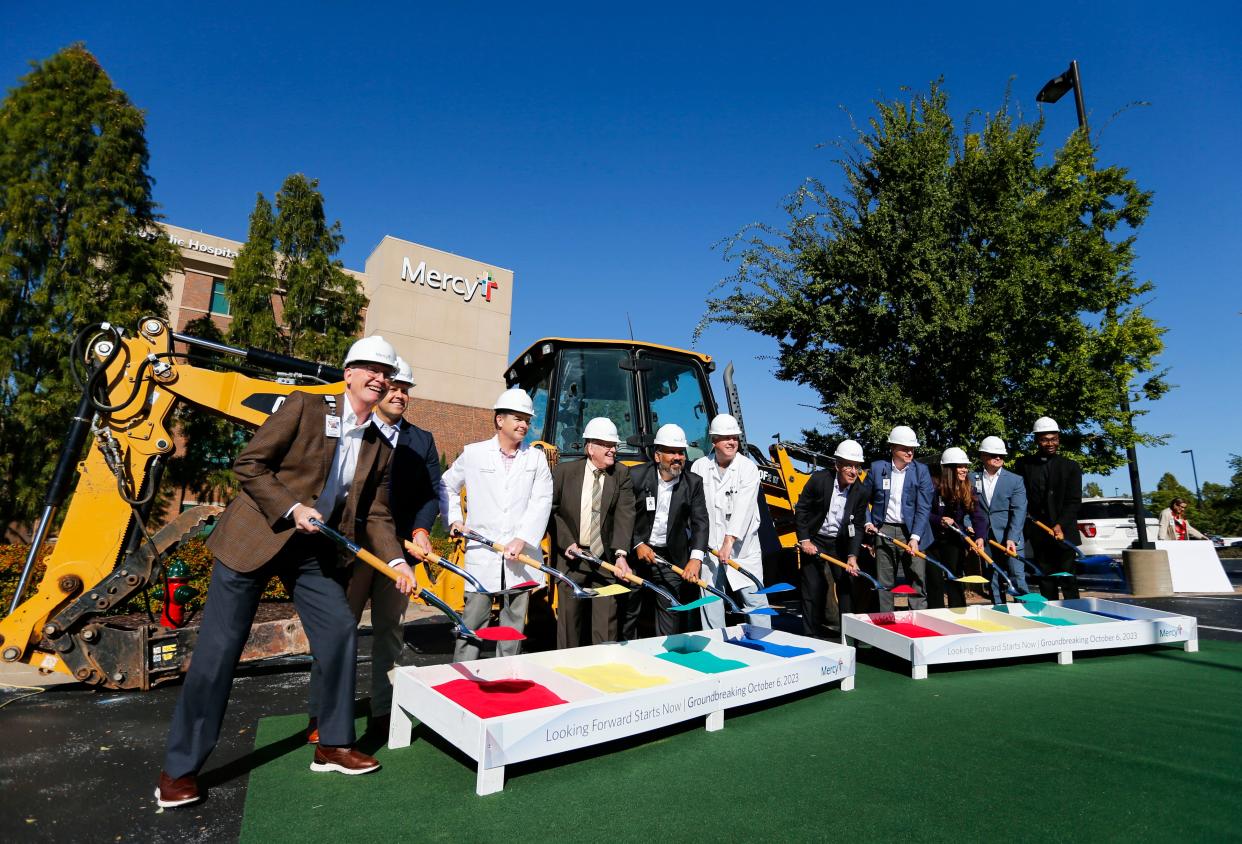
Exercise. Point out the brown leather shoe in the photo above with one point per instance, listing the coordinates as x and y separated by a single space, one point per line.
177 792
312 731
344 760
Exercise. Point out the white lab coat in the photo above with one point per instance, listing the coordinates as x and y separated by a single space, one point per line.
733 507
502 505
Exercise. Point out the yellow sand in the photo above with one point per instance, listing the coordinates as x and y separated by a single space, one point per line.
613 677
985 626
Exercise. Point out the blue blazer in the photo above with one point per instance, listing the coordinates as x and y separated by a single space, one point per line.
414 480
916 498
1006 511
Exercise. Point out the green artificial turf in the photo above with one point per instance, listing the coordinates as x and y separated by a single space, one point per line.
1137 745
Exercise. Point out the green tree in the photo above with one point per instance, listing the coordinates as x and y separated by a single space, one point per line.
1222 504
288 292
1092 490
957 284
78 245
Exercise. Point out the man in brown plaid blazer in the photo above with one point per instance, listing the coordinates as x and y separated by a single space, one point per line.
316 457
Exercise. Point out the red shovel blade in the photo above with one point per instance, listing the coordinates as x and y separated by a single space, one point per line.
527 584
904 590
499 634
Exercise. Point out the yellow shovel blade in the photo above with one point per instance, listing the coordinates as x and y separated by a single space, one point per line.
973 578
611 589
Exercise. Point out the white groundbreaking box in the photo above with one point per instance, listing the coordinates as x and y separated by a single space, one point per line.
590 716
968 634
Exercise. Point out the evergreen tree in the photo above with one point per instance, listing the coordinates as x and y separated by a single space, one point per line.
958 285
288 292
78 245
1092 490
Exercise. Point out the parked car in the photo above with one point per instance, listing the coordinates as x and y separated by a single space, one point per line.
1106 526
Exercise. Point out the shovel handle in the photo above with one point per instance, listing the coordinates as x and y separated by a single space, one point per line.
609 567
1002 547
834 561
903 546
702 584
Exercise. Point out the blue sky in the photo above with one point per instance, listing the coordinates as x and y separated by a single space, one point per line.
603 154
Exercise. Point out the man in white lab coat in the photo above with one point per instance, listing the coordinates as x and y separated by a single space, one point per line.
731 487
509 491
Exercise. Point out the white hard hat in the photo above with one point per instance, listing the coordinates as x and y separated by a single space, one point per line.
954 457
849 450
516 401
903 435
1046 425
724 425
373 349
993 445
671 436
601 428
404 375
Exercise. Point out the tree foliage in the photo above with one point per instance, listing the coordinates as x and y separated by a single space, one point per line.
289 260
77 246
957 284
1221 510
1093 490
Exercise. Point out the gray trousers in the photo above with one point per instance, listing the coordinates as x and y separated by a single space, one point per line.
478 612
307 565
887 557
388 608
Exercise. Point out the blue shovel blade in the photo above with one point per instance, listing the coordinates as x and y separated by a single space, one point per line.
695 604
760 611
775 587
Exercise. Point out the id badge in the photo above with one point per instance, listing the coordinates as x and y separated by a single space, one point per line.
650 503
851 531
978 485
887 482
332 426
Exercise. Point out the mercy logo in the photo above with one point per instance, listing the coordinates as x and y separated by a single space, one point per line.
436 280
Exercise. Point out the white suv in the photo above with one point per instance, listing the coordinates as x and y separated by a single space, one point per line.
1107 526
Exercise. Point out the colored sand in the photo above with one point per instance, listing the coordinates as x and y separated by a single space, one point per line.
492 698
1052 619
701 661
910 631
613 677
985 626
769 647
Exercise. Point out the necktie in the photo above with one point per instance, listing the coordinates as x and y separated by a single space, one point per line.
597 518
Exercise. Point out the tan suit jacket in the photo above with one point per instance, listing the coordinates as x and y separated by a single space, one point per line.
286 463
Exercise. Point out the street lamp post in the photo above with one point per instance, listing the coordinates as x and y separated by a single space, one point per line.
1195 469
1052 91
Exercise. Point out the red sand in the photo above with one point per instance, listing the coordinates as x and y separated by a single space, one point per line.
492 698
910 631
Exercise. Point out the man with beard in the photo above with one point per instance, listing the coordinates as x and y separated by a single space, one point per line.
670 520
1053 496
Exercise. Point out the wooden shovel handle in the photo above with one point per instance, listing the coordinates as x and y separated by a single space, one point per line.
730 563
702 584
834 561
1049 530
1002 547
906 547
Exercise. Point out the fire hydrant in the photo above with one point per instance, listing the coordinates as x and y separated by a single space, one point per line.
177 593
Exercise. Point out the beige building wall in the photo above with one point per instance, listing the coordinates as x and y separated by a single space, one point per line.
448 316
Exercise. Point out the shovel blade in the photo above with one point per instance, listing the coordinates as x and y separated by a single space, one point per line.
774 588
760 611
1061 574
694 605
610 590
498 634
972 578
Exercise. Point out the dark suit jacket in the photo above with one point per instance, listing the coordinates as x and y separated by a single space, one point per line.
617 505
1053 494
812 509
688 523
286 463
916 498
414 489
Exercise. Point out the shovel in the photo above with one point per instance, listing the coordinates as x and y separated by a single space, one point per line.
760 589
1065 542
578 591
460 629
646 584
1038 571
1032 598
525 586
875 584
730 604
966 578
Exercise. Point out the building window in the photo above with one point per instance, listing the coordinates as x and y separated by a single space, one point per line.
219 297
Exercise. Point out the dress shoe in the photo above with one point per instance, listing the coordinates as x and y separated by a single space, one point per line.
177 792
312 731
343 760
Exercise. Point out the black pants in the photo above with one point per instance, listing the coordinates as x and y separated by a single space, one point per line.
1052 556
635 605
308 567
828 590
572 614
951 552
